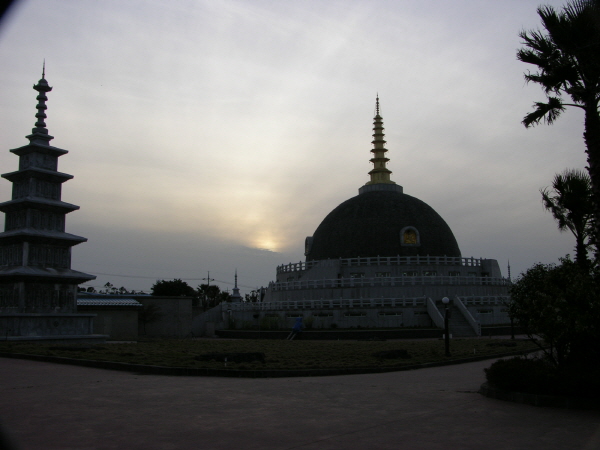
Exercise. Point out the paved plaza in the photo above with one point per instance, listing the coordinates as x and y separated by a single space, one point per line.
53 406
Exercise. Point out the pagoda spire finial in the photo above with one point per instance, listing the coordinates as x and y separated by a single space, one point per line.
236 297
39 134
380 173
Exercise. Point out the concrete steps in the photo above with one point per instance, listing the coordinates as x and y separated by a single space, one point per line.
458 325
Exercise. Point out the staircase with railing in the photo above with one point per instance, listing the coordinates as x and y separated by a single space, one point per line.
458 324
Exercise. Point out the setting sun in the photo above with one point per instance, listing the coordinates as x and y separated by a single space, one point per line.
267 242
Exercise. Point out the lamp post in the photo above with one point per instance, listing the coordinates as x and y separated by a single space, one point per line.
445 301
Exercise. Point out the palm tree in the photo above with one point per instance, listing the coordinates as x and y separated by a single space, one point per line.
566 54
570 202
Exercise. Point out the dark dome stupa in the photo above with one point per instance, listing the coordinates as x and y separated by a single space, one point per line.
385 259
381 220
382 223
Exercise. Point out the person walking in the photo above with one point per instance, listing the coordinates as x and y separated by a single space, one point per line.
296 329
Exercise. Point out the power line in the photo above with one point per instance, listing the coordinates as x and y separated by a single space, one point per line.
162 278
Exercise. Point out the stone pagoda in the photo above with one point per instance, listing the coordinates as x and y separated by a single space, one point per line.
38 288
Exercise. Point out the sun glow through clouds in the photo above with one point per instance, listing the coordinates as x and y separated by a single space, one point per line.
266 243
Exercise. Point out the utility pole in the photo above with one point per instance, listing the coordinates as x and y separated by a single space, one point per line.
208 279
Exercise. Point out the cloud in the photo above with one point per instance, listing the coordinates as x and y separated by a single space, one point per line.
214 135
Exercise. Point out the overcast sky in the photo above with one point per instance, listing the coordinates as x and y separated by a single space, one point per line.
210 135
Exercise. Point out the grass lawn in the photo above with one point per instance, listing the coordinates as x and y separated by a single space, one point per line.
278 354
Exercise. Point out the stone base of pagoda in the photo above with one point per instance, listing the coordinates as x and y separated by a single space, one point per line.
57 327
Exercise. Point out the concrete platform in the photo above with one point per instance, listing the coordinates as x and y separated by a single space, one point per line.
54 406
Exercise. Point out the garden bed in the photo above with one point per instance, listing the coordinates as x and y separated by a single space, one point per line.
279 355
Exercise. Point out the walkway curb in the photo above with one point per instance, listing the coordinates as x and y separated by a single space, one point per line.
236 373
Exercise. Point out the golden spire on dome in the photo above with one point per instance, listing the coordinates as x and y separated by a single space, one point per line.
380 173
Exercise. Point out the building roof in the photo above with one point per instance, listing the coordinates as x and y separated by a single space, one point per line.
34 273
107 302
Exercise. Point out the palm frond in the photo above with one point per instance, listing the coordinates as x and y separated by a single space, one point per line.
547 112
566 54
570 203
552 204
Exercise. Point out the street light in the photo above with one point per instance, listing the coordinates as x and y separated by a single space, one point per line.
445 301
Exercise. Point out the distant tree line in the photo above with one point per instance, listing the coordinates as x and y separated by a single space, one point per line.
205 295
109 289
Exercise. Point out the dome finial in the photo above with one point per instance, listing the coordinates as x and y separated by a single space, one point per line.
380 173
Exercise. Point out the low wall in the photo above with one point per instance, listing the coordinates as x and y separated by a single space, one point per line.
333 335
325 319
41 325
205 323
356 335
503 330
120 323
174 316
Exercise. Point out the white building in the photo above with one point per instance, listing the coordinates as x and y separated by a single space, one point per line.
385 258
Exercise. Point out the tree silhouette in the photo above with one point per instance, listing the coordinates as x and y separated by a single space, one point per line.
566 55
570 202
175 287
211 295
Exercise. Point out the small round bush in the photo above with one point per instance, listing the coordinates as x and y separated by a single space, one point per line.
538 376
533 376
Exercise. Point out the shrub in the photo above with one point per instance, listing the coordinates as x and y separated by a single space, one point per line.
309 322
533 376
269 323
399 353
538 376
560 304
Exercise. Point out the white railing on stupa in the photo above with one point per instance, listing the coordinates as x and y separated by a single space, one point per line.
388 281
384 261
339 303
485 300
